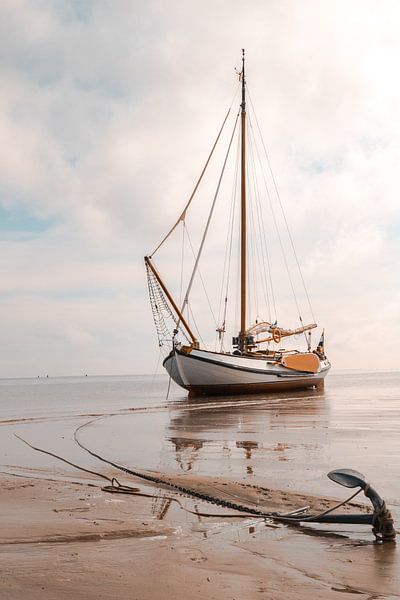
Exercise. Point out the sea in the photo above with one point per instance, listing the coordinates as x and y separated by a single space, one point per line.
289 440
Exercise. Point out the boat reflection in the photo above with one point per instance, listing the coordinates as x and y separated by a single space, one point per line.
186 451
228 428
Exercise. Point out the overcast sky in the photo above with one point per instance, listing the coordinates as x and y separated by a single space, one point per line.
107 112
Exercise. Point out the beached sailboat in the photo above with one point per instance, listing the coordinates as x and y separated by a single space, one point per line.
256 361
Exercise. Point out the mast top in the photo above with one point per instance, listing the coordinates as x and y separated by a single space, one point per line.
243 78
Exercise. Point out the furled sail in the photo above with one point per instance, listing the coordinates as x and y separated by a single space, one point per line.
276 332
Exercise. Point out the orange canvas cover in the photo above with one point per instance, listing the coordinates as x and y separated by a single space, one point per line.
302 362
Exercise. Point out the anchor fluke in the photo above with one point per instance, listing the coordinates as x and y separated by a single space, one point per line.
348 477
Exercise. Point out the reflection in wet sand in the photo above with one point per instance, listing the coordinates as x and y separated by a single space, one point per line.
186 451
160 506
241 427
299 403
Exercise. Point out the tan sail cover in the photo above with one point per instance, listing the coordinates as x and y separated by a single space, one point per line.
303 361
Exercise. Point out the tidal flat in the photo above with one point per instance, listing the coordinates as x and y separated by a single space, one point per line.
63 536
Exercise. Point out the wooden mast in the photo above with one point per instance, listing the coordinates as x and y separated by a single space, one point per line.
242 334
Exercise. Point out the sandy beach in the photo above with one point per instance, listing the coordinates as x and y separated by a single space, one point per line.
72 540
62 536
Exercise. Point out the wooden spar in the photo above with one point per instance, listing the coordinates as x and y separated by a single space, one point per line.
243 210
171 300
281 333
265 327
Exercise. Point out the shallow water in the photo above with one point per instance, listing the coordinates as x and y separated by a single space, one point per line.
287 440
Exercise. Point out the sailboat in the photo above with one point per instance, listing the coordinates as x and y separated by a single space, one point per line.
258 359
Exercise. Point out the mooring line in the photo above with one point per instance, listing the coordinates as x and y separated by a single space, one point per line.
288 518
145 475
161 481
117 487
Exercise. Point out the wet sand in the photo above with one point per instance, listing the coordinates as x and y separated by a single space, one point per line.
73 540
63 537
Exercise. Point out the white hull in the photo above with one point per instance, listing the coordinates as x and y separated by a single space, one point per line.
202 372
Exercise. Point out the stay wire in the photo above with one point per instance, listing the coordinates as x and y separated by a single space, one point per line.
258 242
252 286
183 214
186 299
169 387
262 226
156 370
195 324
182 262
201 279
282 209
279 237
228 248
259 232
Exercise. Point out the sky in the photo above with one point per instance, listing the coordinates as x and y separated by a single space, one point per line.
108 110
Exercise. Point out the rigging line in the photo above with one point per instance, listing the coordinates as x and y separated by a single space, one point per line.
155 372
279 237
229 228
252 237
283 211
183 214
251 240
201 279
254 259
264 250
262 225
258 273
256 218
209 218
284 216
233 214
182 261
228 255
219 334
169 387
161 310
260 253
195 324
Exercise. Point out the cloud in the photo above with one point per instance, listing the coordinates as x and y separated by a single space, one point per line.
107 114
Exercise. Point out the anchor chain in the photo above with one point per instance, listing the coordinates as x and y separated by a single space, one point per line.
179 488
